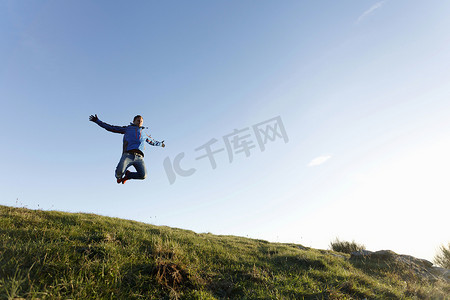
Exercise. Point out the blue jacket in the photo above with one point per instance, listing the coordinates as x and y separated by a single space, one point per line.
133 138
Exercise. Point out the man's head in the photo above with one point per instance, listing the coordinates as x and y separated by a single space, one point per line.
138 120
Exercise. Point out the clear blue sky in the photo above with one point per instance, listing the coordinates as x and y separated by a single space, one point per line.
361 88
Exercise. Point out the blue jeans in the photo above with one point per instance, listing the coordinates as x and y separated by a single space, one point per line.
134 160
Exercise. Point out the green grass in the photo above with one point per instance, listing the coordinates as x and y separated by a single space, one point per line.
442 258
346 247
56 255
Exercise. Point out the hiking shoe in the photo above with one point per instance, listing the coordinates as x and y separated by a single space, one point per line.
125 178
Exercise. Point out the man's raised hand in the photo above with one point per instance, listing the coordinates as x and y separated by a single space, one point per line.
93 118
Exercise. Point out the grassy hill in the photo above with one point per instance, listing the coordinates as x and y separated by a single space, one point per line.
56 255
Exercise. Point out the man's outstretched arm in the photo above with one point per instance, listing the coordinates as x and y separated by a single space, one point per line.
112 128
154 142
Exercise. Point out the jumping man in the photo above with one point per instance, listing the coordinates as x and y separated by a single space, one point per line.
133 146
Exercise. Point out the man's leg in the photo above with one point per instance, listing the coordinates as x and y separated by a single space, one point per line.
123 165
139 165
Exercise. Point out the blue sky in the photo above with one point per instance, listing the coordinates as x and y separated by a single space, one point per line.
361 88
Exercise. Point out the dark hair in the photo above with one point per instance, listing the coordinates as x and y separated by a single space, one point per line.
138 116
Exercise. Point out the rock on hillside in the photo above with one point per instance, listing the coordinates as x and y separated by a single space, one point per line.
420 267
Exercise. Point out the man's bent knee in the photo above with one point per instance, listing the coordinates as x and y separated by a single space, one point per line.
140 175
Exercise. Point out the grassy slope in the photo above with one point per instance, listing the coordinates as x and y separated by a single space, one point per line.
50 255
